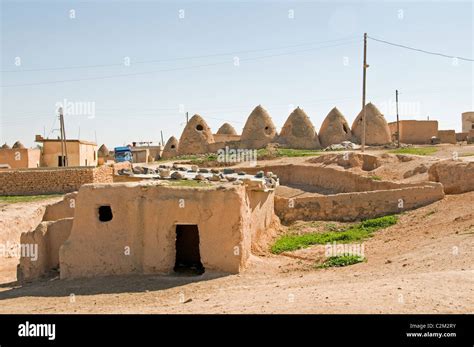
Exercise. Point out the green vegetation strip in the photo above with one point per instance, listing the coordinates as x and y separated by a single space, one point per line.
415 150
356 232
466 154
376 178
341 260
26 198
286 152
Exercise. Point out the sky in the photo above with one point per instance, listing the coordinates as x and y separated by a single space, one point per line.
128 70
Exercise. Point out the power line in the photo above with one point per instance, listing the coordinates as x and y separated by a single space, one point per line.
420 50
178 58
172 69
146 113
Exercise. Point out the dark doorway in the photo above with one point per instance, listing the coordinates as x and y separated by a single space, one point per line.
188 258
61 160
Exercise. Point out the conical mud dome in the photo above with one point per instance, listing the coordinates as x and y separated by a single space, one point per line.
103 151
195 137
18 145
299 132
259 129
226 129
377 131
5 146
334 129
171 148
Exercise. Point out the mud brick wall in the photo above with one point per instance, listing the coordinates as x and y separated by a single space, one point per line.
358 205
51 180
456 176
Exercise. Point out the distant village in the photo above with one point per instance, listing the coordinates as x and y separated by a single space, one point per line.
197 138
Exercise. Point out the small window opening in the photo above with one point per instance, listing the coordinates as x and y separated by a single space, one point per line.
105 213
199 127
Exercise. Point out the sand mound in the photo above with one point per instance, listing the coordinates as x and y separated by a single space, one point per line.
299 132
377 130
171 148
259 129
334 129
18 145
226 129
195 137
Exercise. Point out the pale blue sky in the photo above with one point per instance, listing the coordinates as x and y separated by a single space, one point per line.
312 61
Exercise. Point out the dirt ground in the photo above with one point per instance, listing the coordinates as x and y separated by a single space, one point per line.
423 264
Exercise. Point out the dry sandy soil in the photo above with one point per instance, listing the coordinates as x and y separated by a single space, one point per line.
423 264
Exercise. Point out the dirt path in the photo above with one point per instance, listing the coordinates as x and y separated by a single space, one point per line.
424 264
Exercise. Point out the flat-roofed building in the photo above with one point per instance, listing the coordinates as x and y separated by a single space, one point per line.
79 152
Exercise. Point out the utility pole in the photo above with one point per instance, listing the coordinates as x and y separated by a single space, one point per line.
398 119
162 141
60 111
63 138
365 66
187 117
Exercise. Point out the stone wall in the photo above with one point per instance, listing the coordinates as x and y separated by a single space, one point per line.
51 180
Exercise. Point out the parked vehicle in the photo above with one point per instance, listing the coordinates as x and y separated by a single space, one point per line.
123 154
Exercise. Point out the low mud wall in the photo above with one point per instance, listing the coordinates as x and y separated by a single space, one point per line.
353 196
456 176
357 205
337 180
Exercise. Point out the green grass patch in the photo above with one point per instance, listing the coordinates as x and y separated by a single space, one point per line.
341 260
265 153
191 157
357 232
376 178
203 159
26 198
466 154
415 150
